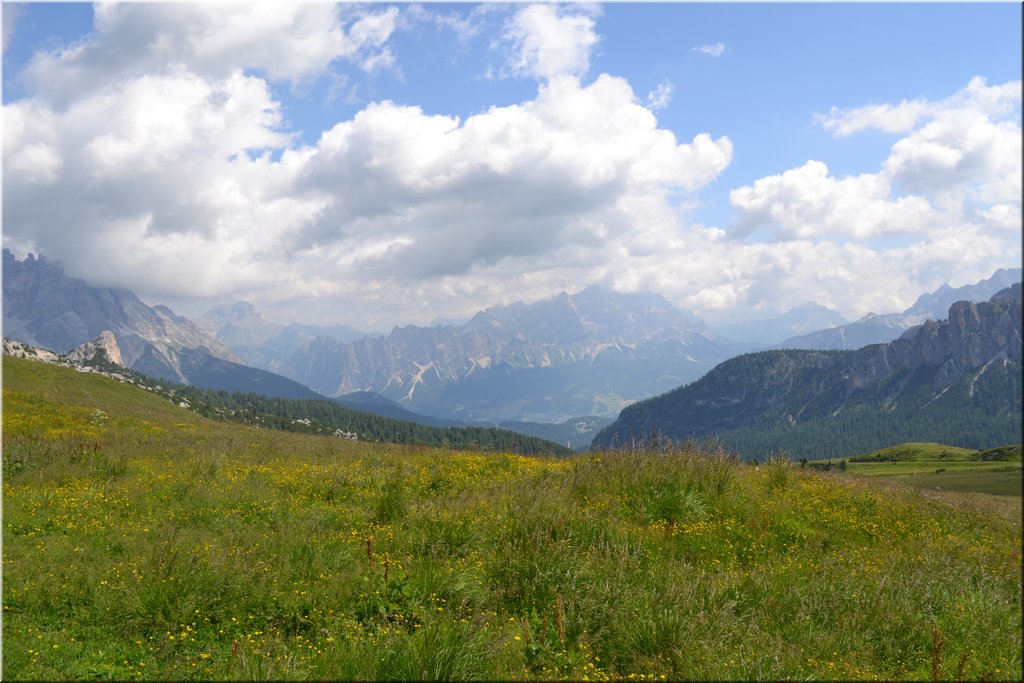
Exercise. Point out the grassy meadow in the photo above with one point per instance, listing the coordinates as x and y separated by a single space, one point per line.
141 541
995 471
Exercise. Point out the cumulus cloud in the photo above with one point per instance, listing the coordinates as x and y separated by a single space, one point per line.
442 197
711 50
286 41
154 155
183 183
808 203
548 41
164 167
958 163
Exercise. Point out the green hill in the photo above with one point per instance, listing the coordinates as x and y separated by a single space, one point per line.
916 452
144 541
937 452
318 416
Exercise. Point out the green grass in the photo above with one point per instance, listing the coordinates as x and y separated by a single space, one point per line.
995 471
142 541
1004 482
922 467
916 452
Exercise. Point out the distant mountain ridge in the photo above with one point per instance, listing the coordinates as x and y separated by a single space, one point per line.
261 343
881 328
43 307
585 353
952 380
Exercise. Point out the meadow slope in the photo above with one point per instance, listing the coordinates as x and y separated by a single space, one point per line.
143 541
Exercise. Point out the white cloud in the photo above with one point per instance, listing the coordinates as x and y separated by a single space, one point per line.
161 164
378 61
36 163
960 154
547 42
660 97
990 101
884 117
711 50
163 167
958 160
450 197
286 41
948 198
808 203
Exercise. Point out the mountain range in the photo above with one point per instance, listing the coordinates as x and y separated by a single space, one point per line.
264 344
955 381
588 353
881 328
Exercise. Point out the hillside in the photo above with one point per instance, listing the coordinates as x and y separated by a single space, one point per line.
956 381
916 452
144 541
936 452
304 416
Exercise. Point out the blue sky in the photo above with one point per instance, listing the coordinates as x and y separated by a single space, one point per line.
392 163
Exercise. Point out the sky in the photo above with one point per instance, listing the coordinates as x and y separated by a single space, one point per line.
390 164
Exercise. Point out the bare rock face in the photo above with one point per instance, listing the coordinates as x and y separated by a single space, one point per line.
104 345
20 350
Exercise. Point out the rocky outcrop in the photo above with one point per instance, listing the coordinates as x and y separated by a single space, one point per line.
18 349
103 348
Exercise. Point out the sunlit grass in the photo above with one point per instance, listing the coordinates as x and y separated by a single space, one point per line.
142 541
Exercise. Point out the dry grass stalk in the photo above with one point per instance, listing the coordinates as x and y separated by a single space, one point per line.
559 623
938 643
960 666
